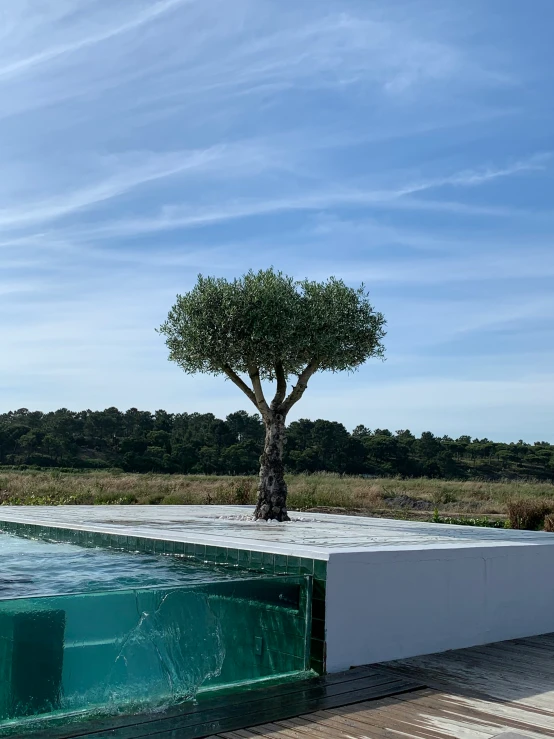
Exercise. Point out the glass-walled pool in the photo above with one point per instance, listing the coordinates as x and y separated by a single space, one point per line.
135 632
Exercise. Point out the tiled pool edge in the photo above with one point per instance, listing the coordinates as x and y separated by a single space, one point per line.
245 559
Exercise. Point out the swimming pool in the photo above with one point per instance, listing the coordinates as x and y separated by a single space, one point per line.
31 567
87 632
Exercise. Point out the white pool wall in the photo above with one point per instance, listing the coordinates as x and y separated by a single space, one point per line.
387 605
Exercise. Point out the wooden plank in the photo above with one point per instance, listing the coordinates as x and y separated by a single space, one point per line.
425 725
494 658
306 728
527 666
350 726
490 690
331 726
279 730
431 720
286 727
284 709
378 721
508 716
436 714
309 729
458 672
243 714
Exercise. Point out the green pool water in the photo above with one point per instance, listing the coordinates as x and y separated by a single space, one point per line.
89 632
30 567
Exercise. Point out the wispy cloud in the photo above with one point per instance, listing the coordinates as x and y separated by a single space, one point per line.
176 217
22 65
126 172
127 178
249 48
475 177
350 47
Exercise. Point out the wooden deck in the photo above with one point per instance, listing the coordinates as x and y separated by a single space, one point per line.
478 693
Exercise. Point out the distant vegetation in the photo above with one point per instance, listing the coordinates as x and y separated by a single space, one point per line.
476 503
194 443
201 444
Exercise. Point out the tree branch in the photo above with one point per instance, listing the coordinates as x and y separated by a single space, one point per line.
281 386
298 390
240 383
260 400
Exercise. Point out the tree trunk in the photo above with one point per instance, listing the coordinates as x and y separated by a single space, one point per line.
272 488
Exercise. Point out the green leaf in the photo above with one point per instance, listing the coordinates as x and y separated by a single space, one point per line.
267 317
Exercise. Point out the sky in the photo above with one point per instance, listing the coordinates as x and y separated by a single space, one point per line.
406 145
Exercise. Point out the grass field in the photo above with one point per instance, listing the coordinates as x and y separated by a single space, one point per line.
415 499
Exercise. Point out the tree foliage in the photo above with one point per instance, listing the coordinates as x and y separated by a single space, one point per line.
269 324
140 441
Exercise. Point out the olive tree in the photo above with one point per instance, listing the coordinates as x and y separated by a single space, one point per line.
267 327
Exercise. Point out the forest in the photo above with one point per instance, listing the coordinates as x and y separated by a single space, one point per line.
195 443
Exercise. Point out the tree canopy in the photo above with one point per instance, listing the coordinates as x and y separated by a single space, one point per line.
270 323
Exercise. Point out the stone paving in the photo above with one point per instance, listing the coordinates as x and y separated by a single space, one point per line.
307 535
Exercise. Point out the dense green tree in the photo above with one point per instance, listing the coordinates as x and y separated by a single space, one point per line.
201 443
163 421
266 326
245 427
390 454
316 445
241 458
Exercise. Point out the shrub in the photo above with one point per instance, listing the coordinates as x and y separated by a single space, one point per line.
442 497
306 496
469 521
528 514
103 498
179 498
94 464
549 523
241 491
244 491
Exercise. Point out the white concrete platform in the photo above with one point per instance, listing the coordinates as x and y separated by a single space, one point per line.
394 589
308 535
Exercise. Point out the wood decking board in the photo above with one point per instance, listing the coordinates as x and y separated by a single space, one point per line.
519 671
476 693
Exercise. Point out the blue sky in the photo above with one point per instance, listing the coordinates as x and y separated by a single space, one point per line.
408 145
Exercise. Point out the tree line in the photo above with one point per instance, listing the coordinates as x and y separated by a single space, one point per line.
200 443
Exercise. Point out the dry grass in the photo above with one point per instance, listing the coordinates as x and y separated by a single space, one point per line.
528 513
416 498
